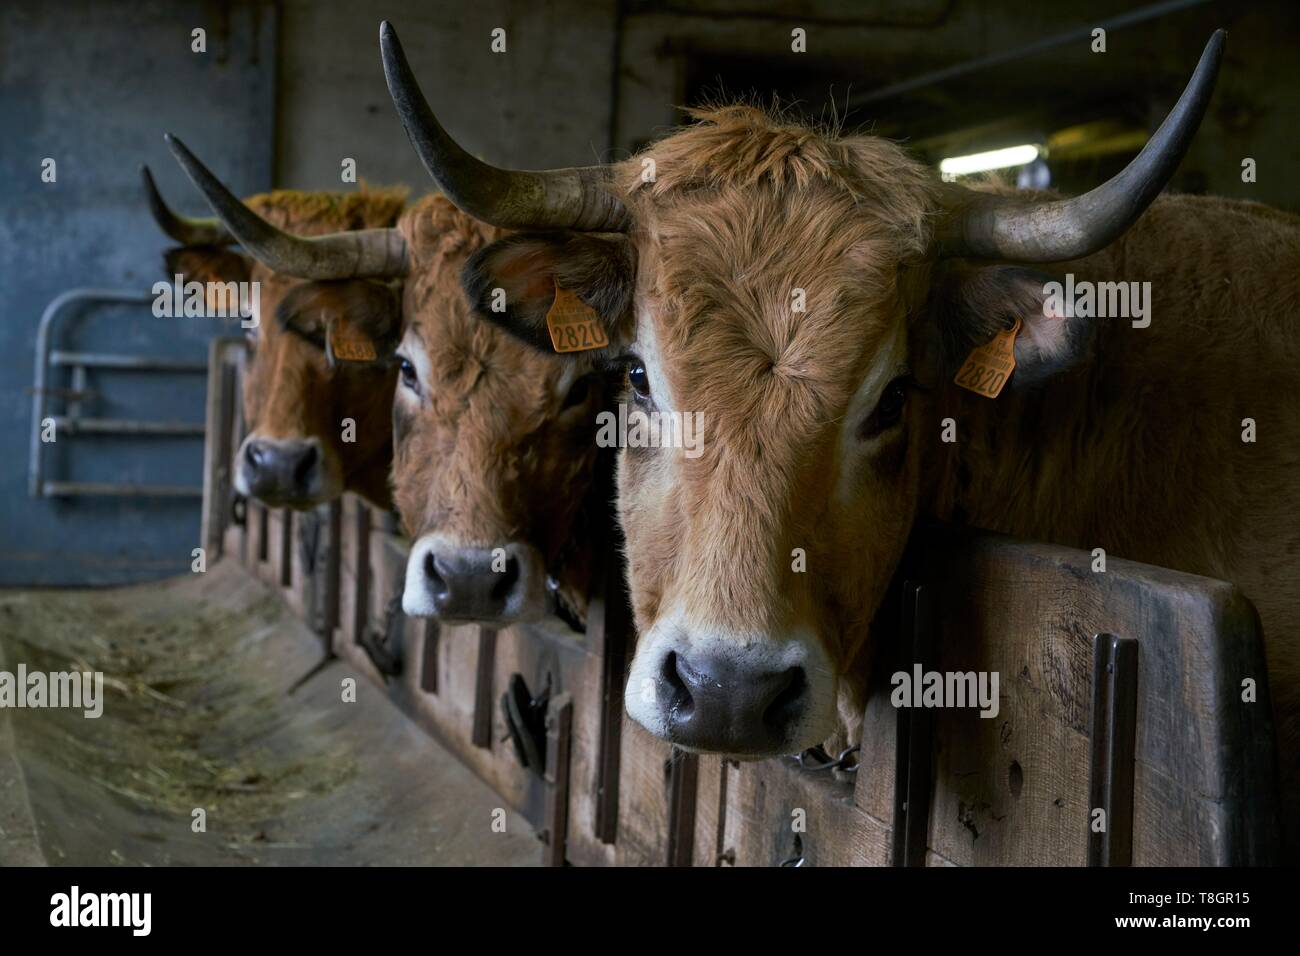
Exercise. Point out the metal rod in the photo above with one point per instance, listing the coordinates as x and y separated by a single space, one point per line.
1007 56
1113 742
52 311
67 489
124 426
140 363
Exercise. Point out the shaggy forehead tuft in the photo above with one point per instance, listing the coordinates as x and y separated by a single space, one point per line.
770 252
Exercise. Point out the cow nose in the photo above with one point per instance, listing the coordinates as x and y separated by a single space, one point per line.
282 471
457 583
725 706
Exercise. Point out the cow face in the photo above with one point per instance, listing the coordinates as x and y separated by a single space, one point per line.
314 428
317 423
493 443
787 301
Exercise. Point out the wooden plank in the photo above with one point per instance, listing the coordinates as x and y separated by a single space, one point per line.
643 797
217 452
1013 790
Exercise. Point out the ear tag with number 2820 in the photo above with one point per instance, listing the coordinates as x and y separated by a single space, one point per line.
574 325
988 366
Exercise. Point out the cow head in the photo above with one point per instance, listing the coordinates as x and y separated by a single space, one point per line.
493 449
807 294
316 425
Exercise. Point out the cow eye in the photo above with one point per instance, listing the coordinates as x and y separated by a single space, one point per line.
407 371
637 378
577 393
889 410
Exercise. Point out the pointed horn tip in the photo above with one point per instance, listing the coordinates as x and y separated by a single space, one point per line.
386 30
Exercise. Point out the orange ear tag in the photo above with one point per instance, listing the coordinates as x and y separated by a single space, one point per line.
574 325
346 343
988 367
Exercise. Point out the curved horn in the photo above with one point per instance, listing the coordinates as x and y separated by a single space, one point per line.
1004 227
185 230
515 199
375 253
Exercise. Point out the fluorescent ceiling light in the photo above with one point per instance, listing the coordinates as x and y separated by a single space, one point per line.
994 159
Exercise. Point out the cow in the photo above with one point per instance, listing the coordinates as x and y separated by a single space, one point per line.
297 401
825 426
493 441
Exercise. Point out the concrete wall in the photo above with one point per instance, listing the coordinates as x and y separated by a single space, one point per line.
543 102
93 85
551 99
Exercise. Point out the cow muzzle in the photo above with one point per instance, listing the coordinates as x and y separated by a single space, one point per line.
456 583
285 472
748 697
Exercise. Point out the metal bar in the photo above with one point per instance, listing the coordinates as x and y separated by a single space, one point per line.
138 363
35 484
609 630
333 572
481 736
913 770
920 740
429 663
286 547
124 426
683 785
720 837
68 489
559 734
902 733
263 532
1008 56
1113 745
361 561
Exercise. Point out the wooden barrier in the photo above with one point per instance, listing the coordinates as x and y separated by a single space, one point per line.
1133 723
1188 777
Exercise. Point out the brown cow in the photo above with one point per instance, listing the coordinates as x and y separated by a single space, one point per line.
296 403
494 445
494 450
824 428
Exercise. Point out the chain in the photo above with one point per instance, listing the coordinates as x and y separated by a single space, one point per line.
815 759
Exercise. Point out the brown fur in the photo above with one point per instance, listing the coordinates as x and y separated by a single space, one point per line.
1134 445
289 390
486 455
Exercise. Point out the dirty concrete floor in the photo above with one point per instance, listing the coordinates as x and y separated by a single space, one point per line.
197 716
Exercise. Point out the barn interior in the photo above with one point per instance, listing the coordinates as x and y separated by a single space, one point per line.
222 695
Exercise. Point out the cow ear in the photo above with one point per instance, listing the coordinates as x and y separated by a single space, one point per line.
514 281
971 304
205 264
358 321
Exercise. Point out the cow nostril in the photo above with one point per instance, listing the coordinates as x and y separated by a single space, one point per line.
787 703
253 452
436 582
506 580
306 463
676 697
